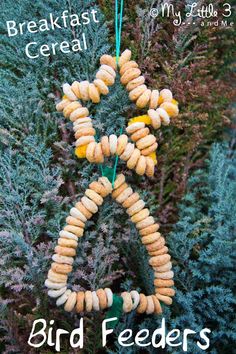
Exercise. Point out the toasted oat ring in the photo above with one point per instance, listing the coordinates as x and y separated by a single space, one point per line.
102 87
149 150
141 133
94 93
62 104
63 298
131 200
65 251
148 221
135 299
159 252
81 112
141 165
62 259
71 107
142 303
127 301
84 140
75 88
57 277
166 291
165 118
109 69
88 301
150 167
87 214
159 260
56 293
124 195
106 183
164 268
146 142
98 188
61 268
129 149
135 83
90 151
89 204
150 305
166 299
108 60
164 275
84 90
95 301
71 232
132 161
143 214
98 155
102 298
105 146
75 222
70 303
116 192
124 58
121 144
154 99
136 207
134 127
120 179
129 75
63 242
113 143
137 92
128 65
80 302
163 283
84 132
107 78
68 92
149 239
157 305
95 197
149 229
109 295
143 100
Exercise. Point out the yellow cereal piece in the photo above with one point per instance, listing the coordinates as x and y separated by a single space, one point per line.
80 151
143 119
64 97
160 100
153 156
174 102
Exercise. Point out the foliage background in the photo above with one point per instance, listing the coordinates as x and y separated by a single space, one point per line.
192 193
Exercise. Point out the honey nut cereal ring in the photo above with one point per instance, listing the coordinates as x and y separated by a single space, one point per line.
95 301
84 140
102 299
105 146
70 108
135 83
75 88
98 155
90 151
149 229
139 134
132 161
155 118
166 299
163 283
70 303
64 242
150 167
94 93
164 268
136 207
113 143
131 200
157 305
101 86
120 179
125 57
149 149
108 60
134 127
166 291
89 204
159 252
109 296
146 142
129 75
124 195
128 65
150 306
57 277
62 259
75 222
80 206
143 214
63 298
121 144
160 260
85 132
164 275
154 99
78 231
88 301
95 197
127 152
144 99
56 293
80 304
142 304
76 213
66 234
127 301
65 251
135 299
61 268
137 92
53 285
68 92
109 69
84 90
141 166
107 78
98 188
116 192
